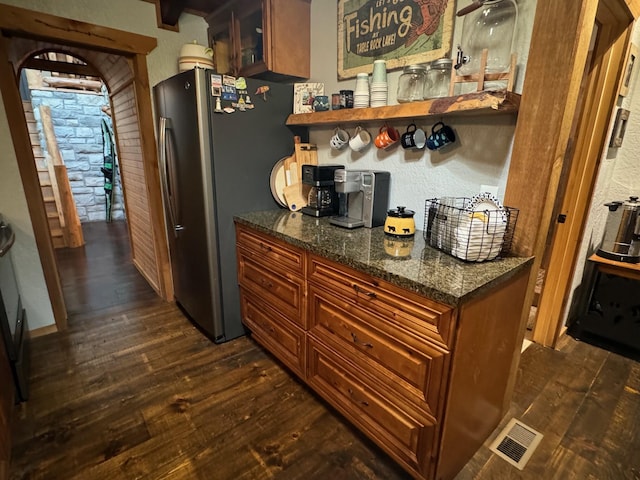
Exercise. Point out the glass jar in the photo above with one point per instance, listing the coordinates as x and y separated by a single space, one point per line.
438 78
492 27
411 84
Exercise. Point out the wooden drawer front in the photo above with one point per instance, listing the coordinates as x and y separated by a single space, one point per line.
411 367
276 333
270 251
399 433
283 291
411 311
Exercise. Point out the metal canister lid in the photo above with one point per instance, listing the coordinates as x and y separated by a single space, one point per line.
442 63
414 69
401 212
632 203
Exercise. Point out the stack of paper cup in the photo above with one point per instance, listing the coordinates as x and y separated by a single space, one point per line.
379 84
361 93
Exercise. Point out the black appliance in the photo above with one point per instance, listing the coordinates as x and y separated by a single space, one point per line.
323 199
13 319
214 165
621 239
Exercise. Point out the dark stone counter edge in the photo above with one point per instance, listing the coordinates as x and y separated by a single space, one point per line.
403 282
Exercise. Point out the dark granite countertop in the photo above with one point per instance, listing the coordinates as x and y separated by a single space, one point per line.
425 270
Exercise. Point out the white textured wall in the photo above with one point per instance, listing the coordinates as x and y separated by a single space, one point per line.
480 157
618 178
133 16
24 253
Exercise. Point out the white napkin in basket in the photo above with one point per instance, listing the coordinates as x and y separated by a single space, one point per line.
478 236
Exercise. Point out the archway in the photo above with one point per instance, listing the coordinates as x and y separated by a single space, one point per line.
119 57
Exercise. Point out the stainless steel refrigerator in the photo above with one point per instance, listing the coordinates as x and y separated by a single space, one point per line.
212 166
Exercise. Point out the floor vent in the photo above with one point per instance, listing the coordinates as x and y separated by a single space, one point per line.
516 443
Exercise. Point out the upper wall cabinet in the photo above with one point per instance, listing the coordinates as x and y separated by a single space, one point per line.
267 39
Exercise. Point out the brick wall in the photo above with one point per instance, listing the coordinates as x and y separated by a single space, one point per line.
76 118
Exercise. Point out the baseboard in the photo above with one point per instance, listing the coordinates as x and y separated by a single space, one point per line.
42 331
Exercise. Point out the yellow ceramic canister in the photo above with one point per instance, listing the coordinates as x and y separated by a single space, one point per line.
400 222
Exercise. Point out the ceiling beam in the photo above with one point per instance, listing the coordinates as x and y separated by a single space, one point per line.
170 11
60 67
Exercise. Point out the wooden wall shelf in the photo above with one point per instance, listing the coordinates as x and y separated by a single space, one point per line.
476 103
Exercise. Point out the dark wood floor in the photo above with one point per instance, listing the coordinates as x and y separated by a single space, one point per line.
133 390
100 275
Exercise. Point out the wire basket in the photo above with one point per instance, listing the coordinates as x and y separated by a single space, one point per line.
456 226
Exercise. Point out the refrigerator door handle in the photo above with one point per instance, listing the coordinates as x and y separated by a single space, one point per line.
165 125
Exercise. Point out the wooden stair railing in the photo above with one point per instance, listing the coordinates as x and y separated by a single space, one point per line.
64 223
67 213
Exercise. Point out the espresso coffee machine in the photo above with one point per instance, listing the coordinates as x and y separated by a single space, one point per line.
322 199
363 198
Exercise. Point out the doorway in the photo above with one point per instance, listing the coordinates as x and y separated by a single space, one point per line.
71 130
120 57
69 119
597 96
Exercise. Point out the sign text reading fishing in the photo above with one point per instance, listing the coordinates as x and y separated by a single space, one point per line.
378 27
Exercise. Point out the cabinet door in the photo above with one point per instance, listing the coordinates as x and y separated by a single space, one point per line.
398 306
285 340
270 252
287 37
406 436
220 33
413 369
249 33
281 289
267 39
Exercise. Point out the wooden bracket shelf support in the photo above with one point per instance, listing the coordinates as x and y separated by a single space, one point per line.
482 76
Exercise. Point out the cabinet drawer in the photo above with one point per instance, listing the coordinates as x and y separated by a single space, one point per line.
270 251
276 333
404 436
412 312
282 290
410 366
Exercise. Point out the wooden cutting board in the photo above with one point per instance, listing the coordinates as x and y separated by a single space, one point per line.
292 192
306 154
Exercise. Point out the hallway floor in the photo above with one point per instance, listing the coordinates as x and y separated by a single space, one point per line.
133 390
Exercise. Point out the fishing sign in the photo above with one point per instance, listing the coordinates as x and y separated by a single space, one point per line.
402 32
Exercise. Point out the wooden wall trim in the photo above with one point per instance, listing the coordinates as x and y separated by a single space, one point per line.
29 175
634 7
558 53
550 107
126 117
152 175
559 48
33 24
591 137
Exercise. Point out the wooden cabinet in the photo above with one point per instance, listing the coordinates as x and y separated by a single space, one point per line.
395 355
406 434
267 39
398 306
272 295
426 382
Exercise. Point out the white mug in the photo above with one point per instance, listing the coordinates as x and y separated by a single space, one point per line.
361 138
340 138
